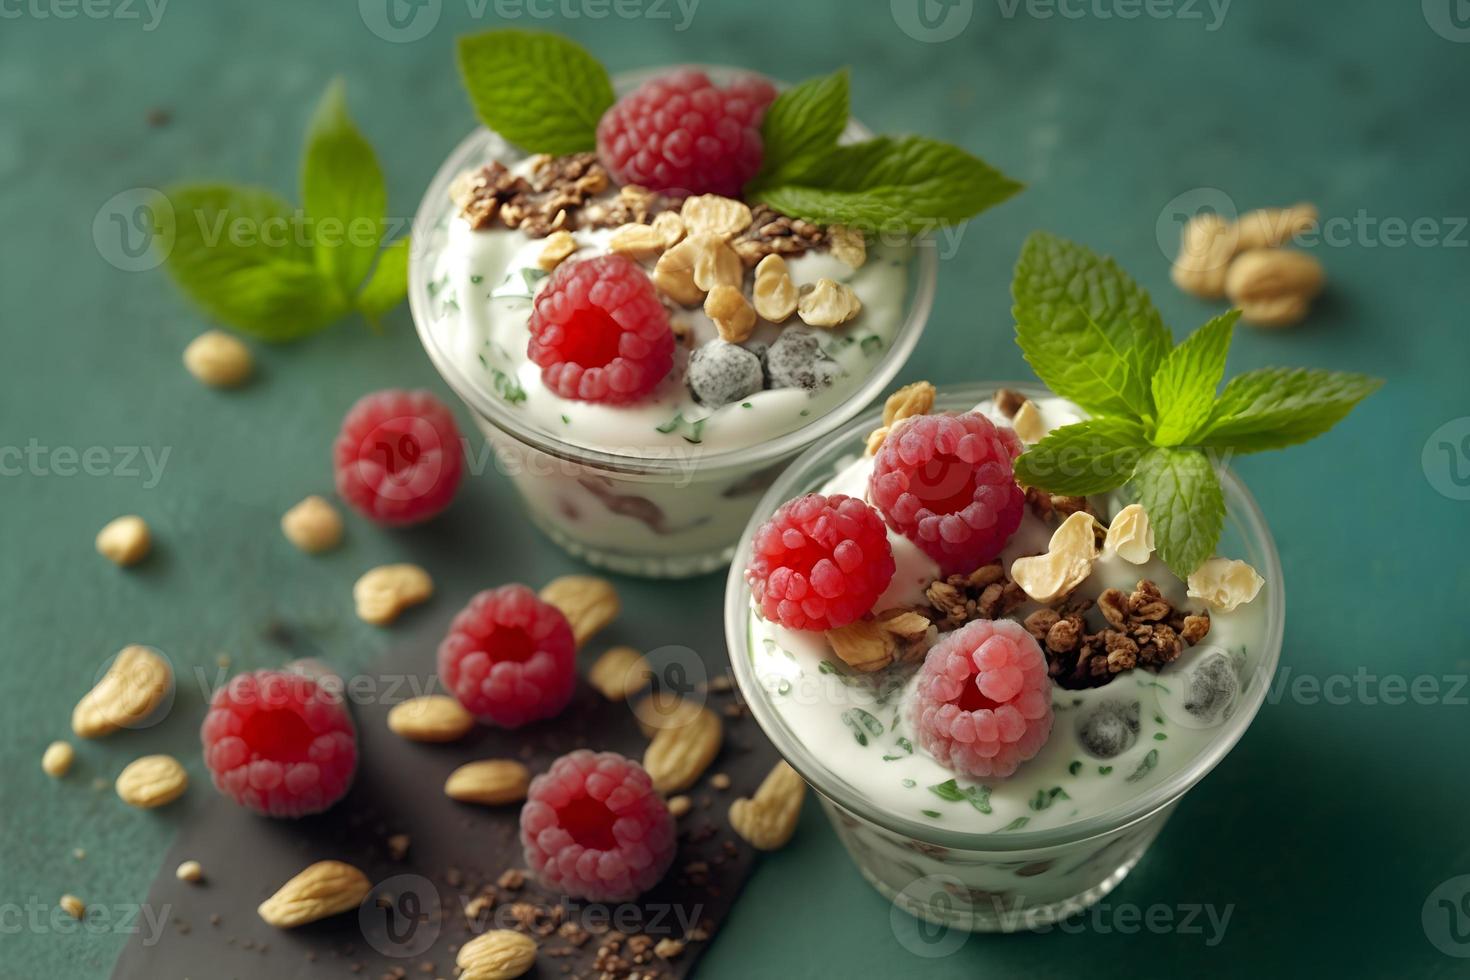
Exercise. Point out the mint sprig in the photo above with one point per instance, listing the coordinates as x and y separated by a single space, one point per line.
248 258
541 91
804 120
1093 336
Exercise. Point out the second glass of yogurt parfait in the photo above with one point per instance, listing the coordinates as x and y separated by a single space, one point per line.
661 487
1054 837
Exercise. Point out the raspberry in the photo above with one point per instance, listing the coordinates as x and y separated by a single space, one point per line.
679 134
594 827
820 562
509 657
280 744
398 457
982 703
945 483
599 332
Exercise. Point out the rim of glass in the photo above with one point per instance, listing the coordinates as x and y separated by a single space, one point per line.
435 204
1241 509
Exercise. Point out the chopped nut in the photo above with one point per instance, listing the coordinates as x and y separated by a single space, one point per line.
1008 402
638 242
827 303
1225 583
1066 564
1028 424
190 871
313 525
711 214
324 889
876 438
620 673
674 274
1130 536
775 294
715 263
908 401
218 359
849 246
863 645
384 592
771 233
398 845
668 948
670 228
125 540
720 780
73 906
1274 287
57 759
559 245
732 313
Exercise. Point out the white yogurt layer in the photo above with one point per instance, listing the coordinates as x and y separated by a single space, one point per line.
858 726
481 287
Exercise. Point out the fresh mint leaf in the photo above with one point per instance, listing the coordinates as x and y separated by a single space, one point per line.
908 184
342 192
388 283
1088 330
238 254
540 91
1180 492
1086 458
804 119
1277 407
1184 386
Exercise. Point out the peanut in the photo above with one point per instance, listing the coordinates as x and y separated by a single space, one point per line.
125 540
673 274
589 603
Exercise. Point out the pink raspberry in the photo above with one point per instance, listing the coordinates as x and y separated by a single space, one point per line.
594 827
398 457
599 332
945 483
509 657
680 134
820 562
280 744
982 704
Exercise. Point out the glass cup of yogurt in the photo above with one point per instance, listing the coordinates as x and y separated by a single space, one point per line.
1067 826
662 487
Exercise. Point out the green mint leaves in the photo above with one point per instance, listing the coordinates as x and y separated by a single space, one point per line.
250 259
540 91
1093 336
887 184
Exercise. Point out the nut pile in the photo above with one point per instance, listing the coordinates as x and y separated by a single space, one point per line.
1245 261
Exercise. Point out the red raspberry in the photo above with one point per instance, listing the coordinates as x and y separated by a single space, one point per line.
679 134
280 744
398 457
594 827
820 562
945 483
982 704
599 332
509 657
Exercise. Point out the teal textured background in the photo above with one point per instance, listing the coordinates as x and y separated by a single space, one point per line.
1324 832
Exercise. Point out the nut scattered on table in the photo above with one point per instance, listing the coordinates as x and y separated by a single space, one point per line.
190 871
152 781
500 954
430 718
589 603
324 889
1274 287
619 673
219 359
489 782
767 820
384 592
678 755
135 684
313 525
57 759
125 540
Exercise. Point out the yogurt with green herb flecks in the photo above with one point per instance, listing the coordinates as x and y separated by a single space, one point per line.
1108 744
482 283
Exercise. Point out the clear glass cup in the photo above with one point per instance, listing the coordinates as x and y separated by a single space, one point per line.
989 882
673 514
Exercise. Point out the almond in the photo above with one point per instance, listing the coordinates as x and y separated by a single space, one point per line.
500 954
679 755
588 602
431 718
768 819
490 782
324 889
131 690
620 673
1066 564
1130 536
384 592
152 781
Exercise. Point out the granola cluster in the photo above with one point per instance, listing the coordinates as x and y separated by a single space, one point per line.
1143 630
985 593
771 233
